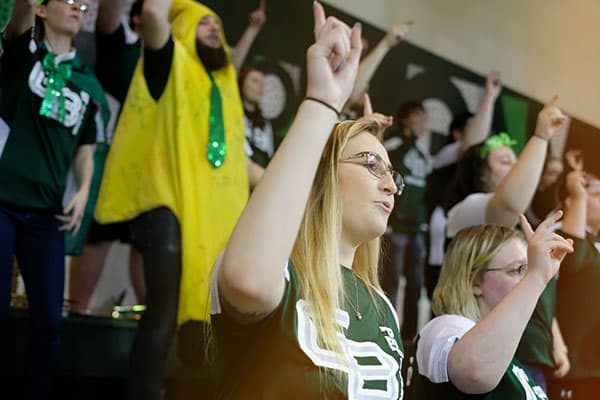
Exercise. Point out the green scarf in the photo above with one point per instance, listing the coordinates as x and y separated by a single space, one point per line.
76 74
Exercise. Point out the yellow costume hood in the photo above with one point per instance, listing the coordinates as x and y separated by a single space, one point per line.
158 158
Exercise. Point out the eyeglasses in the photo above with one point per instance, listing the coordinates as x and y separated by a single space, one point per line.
378 167
520 271
82 6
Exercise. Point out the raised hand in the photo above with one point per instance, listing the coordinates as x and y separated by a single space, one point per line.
258 17
383 121
549 120
493 84
574 159
575 182
332 61
546 249
397 33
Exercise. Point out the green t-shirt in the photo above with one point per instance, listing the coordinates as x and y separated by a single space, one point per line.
279 357
434 344
516 384
410 211
36 152
578 300
535 346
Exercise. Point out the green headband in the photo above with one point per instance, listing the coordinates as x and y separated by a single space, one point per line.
39 2
495 141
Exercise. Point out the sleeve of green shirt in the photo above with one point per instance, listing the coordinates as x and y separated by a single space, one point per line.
89 130
583 255
16 56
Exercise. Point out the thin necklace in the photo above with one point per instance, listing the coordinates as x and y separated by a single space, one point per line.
356 309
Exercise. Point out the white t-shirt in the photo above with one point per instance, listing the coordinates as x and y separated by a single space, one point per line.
437 236
436 339
467 213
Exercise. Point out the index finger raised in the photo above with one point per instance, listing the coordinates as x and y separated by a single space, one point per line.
527 230
319 17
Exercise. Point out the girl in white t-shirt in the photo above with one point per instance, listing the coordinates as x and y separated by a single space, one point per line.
489 285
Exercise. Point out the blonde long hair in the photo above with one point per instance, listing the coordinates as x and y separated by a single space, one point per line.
316 255
468 254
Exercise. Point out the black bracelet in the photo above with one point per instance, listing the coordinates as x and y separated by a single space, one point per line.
332 108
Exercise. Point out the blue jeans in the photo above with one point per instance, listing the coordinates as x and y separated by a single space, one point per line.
408 257
34 238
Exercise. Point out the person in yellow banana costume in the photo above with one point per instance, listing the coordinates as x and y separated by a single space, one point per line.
177 171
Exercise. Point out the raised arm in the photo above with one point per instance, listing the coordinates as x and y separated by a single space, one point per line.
513 195
251 275
575 219
371 62
155 23
479 126
109 15
481 357
257 19
22 19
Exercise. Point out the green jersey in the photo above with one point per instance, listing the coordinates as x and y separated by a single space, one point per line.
410 212
578 298
280 357
536 344
516 384
429 378
36 151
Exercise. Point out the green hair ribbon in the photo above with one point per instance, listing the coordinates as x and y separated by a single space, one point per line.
58 75
495 141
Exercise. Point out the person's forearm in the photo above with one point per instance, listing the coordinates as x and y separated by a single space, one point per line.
574 221
367 68
251 273
514 194
84 167
22 19
481 357
255 172
479 126
109 15
240 52
559 140
558 344
155 23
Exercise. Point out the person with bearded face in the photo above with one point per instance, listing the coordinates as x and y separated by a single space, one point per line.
176 172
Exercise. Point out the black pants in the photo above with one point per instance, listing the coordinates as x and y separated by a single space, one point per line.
157 235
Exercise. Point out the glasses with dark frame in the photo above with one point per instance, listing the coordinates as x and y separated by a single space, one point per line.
521 270
377 167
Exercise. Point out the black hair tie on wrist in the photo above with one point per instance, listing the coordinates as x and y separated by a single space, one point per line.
332 108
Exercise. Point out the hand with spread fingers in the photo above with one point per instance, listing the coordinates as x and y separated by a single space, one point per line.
73 213
546 249
332 61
